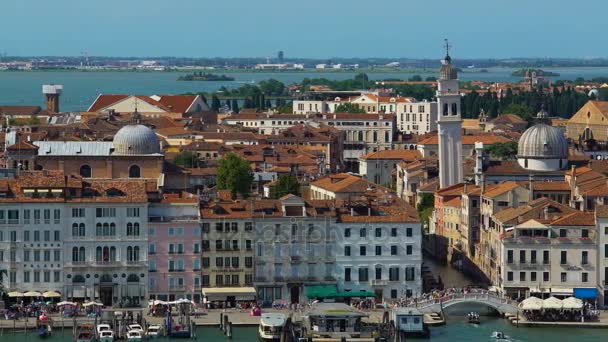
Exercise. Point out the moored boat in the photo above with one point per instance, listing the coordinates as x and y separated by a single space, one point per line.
134 335
272 326
105 333
85 333
154 331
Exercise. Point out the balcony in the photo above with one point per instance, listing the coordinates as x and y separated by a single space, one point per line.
329 278
135 263
379 282
160 219
279 279
107 263
260 279
177 270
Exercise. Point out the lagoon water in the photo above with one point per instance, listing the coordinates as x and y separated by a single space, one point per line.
456 330
81 88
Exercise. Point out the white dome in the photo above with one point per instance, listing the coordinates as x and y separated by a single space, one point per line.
543 148
136 140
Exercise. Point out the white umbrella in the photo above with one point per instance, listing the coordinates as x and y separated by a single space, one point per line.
572 303
552 303
51 294
532 303
66 303
15 294
91 304
156 302
32 294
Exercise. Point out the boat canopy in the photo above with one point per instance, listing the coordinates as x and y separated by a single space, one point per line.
321 291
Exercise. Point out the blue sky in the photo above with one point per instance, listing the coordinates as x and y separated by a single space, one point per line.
304 28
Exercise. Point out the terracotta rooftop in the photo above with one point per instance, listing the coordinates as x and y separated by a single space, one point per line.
409 155
579 218
342 182
486 139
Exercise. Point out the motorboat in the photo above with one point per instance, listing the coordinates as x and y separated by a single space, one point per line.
135 335
85 333
154 331
271 326
499 335
135 327
105 333
473 318
44 328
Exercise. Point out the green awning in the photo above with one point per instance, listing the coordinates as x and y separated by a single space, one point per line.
321 291
352 294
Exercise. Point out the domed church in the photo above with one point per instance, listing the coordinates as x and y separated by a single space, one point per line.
543 147
134 152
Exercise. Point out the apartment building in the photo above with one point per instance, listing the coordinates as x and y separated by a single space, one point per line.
556 257
86 239
227 244
379 249
416 117
174 247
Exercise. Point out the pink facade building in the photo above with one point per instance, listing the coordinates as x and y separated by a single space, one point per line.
174 236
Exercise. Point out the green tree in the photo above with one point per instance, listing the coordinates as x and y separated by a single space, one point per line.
286 108
272 87
520 110
235 105
415 78
215 103
349 108
425 208
186 159
287 184
503 151
234 174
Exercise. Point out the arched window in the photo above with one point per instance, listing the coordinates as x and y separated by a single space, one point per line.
86 171
98 254
81 254
106 229
112 253
129 229
136 253
112 229
81 229
360 136
136 227
75 254
129 253
132 278
134 171
98 230
561 163
75 229
106 254
454 109
105 278
375 135
445 109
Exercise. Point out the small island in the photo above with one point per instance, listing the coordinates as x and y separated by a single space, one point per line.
200 76
539 72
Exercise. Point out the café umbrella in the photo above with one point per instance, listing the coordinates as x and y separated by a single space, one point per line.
32 294
532 304
572 303
66 303
14 294
51 294
91 304
552 303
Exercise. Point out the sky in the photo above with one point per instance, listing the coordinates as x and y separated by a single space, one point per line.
304 28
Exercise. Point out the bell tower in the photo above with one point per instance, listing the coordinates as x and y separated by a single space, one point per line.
449 123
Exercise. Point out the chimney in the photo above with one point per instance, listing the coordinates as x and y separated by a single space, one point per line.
52 93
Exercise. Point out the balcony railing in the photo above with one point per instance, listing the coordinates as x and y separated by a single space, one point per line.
173 218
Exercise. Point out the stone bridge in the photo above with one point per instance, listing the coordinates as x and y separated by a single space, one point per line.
501 304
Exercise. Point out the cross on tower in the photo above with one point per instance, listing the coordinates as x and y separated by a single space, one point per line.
447 47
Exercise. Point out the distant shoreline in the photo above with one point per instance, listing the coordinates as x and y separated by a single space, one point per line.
294 71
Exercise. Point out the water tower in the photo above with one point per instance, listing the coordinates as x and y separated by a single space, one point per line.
52 92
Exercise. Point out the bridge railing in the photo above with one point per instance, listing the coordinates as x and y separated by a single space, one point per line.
478 296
